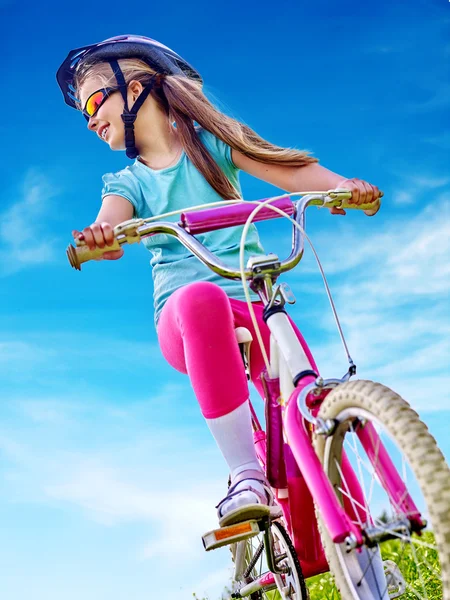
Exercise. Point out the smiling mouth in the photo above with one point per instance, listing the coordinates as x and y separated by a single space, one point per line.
104 132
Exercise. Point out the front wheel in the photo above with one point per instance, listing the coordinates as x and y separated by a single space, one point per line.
410 562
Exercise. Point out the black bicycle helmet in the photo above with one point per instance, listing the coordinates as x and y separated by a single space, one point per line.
161 58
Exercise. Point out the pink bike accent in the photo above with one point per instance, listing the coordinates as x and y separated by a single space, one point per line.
259 438
211 219
297 504
387 473
267 579
336 520
355 505
303 530
275 468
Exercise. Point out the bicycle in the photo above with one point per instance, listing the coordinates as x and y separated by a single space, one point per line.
330 446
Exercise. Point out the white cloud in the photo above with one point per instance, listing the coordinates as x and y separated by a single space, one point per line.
403 197
133 477
121 470
40 352
415 185
428 181
163 483
22 353
107 494
406 249
392 299
69 409
26 239
212 586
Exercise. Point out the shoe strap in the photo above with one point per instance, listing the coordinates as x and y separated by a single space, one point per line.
249 475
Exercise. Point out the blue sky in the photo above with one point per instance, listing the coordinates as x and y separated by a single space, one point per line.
109 475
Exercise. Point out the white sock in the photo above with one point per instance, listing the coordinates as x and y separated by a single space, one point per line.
234 436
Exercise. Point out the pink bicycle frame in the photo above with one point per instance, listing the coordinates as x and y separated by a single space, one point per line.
306 481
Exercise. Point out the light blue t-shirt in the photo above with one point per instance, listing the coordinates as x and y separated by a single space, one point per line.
154 192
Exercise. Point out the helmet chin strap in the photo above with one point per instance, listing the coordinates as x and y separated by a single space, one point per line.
129 115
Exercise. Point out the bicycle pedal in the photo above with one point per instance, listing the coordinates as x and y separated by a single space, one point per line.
230 534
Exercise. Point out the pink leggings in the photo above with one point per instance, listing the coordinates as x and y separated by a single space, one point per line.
196 336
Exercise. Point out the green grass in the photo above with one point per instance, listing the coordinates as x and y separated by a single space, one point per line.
321 587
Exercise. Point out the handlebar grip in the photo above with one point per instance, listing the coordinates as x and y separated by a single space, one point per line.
375 208
80 254
370 208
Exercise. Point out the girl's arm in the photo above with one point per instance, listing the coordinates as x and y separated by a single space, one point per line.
291 179
114 210
312 177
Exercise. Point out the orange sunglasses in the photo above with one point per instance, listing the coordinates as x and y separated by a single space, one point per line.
96 99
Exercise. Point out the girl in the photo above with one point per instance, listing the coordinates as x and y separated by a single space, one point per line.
140 96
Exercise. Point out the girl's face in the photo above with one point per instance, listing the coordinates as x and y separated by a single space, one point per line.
107 122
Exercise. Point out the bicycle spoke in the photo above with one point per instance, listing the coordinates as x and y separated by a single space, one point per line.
414 591
404 463
352 500
412 540
395 505
431 569
343 492
359 461
420 571
368 466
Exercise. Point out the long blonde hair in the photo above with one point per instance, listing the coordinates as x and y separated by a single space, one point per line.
184 103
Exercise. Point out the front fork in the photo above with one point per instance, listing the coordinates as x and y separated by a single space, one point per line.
341 521
337 521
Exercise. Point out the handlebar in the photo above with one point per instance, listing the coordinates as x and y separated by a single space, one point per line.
132 231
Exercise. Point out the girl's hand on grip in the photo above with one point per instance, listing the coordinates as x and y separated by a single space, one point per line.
99 235
362 193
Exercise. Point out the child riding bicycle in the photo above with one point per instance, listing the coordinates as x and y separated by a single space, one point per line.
140 96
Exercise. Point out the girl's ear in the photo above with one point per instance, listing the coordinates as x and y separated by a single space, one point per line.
135 87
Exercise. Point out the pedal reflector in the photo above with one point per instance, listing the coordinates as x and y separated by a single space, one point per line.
230 535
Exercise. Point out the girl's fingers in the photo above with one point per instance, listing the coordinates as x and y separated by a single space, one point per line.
362 193
367 195
114 255
97 233
88 238
355 191
108 233
334 210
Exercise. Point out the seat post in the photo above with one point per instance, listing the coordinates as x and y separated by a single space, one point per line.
244 339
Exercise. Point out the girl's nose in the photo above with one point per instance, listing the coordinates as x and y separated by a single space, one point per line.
92 124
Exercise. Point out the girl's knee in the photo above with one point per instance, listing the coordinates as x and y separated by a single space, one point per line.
202 299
